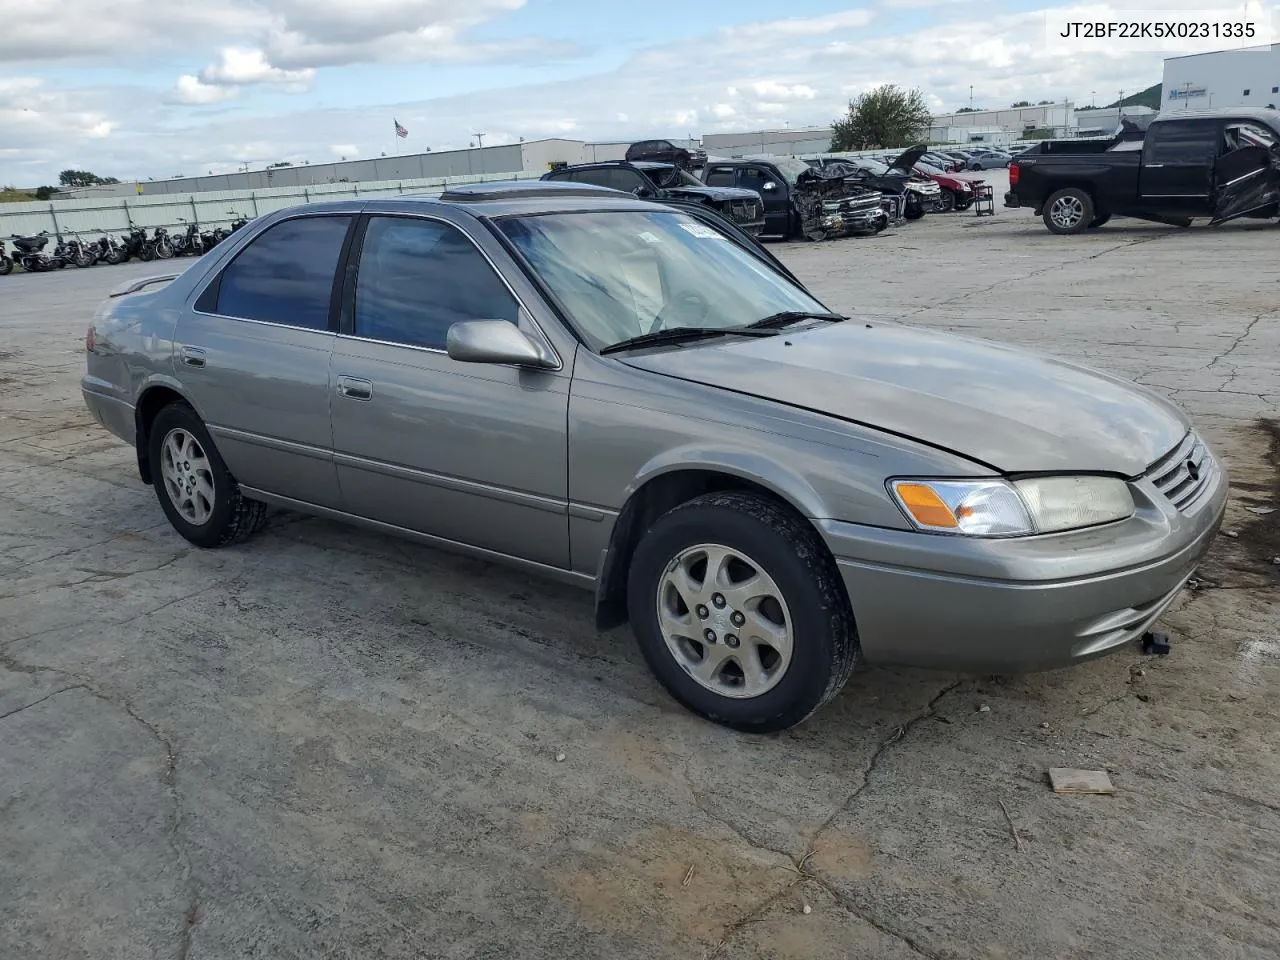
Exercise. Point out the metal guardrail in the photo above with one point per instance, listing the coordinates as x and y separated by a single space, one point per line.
218 208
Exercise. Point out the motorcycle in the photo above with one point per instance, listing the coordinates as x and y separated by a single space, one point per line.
108 250
162 243
75 251
30 253
190 243
240 221
138 244
6 261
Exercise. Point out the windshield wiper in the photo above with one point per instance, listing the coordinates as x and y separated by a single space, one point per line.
787 317
683 335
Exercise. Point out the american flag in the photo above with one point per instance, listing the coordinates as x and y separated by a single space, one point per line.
400 131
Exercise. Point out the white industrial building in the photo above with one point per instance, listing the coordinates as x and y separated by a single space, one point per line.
1002 126
1103 121
787 142
1245 77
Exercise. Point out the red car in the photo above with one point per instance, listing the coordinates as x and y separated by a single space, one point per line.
957 189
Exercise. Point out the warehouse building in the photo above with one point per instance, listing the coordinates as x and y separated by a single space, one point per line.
779 143
998 126
1246 77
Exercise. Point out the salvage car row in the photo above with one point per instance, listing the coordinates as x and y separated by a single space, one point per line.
785 197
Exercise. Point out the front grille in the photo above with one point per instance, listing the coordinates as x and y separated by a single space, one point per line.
745 211
1183 473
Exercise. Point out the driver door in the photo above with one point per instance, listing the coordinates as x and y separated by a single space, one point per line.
1245 176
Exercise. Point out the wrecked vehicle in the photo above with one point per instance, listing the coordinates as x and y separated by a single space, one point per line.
801 201
666 181
1220 164
896 174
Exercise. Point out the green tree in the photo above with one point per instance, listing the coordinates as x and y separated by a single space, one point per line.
1022 103
969 110
1041 103
83 178
45 193
883 117
278 164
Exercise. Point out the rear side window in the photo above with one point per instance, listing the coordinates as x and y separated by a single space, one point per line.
418 278
286 275
719 177
1182 142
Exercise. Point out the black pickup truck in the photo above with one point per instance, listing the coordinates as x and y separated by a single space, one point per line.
667 181
1220 164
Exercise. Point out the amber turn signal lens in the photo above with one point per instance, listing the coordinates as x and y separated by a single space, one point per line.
925 506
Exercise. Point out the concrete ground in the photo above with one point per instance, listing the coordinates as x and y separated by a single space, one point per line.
327 743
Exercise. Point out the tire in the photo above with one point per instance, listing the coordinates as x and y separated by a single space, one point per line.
975 165
803 593
223 515
947 200
147 253
963 204
1068 211
164 250
1099 221
6 266
86 259
913 209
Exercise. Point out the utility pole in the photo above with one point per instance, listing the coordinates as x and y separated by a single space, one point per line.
971 98
479 139
1093 99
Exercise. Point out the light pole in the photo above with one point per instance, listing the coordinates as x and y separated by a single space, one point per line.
479 139
971 98
1093 99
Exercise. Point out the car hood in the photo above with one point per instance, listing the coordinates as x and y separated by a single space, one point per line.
908 158
1014 411
714 193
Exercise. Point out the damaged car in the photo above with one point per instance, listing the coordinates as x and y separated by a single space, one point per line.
894 176
667 181
800 201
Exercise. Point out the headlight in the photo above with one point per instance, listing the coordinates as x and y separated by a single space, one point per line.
1000 508
965 188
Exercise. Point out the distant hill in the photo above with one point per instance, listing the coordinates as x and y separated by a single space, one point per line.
1150 97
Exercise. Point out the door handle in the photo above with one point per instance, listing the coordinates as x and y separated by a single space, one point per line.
355 388
193 356
1153 166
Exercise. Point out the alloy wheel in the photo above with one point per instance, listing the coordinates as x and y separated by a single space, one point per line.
188 477
1066 212
725 621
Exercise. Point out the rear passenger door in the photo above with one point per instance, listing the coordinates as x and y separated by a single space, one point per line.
1177 165
472 453
252 356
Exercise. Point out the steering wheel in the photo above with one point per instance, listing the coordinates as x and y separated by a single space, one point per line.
691 306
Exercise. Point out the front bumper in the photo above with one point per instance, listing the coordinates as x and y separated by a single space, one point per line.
1011 199
1021 604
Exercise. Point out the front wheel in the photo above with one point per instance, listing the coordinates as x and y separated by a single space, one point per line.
1068 211
946 200
196 491
164 250
740 612
6 266
86 259
914 209
147 253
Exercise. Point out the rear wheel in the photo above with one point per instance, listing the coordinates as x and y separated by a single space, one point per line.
914 209
1068 211
164 250
196 491
740 613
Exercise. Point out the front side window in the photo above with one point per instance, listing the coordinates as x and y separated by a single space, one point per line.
417 278
623 274
720 177
285 275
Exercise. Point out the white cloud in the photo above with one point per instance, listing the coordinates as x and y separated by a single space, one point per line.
240 66
348 150
191 90
781 91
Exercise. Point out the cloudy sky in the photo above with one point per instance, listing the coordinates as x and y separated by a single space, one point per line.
136 88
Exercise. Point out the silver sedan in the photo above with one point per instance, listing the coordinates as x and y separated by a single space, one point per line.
641 400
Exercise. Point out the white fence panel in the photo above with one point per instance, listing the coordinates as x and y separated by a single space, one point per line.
210 209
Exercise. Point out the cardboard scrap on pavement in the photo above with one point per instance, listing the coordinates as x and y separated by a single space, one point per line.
1065 780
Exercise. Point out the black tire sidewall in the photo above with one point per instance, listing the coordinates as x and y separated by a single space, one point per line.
805 684
211 533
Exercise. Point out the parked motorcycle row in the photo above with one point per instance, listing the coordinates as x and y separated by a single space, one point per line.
30 254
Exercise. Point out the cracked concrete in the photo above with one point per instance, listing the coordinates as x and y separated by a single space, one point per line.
325 743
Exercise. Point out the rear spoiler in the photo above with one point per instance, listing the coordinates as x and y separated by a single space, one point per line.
133 286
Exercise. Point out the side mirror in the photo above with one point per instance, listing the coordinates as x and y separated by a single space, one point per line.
769 187
495 341
642 193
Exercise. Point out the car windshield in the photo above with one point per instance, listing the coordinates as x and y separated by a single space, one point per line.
928 168
627 273
791 169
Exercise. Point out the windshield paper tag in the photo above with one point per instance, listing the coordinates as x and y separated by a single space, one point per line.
701 232
648 237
